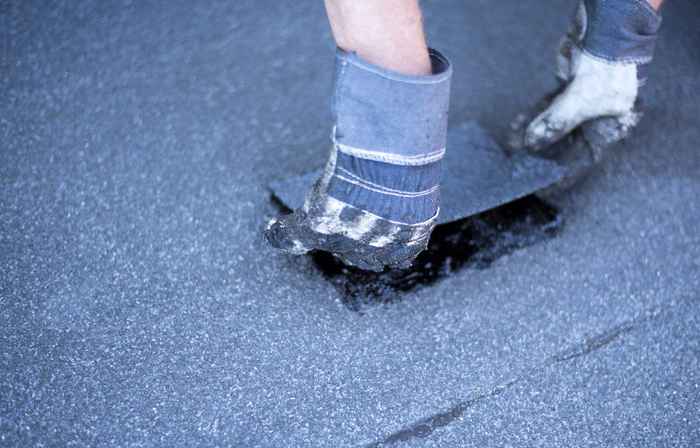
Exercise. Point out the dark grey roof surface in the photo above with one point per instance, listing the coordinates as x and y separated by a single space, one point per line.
140 306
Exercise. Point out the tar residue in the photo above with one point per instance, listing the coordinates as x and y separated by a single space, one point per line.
474 242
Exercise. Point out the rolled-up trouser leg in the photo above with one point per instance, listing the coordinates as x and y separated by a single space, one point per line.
378 199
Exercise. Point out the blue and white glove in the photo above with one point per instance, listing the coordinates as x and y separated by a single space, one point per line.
377 201
601 66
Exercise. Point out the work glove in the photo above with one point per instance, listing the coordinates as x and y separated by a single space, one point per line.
601 66
377 201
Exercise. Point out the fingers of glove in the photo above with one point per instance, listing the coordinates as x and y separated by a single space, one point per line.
285 233
396 256
388 245
518 126
360 261
566 112
294 234
403 256
604 132
588 148
576 105
599 89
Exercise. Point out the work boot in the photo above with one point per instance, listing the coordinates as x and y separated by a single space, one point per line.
601 66
378 198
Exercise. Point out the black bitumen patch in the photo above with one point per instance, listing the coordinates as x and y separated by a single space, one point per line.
474 242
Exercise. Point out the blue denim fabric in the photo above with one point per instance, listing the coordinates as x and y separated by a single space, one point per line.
403 194
390 135
381 110
390 176
621 30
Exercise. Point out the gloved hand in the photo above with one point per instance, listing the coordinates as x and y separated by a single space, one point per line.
378 199
600 65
